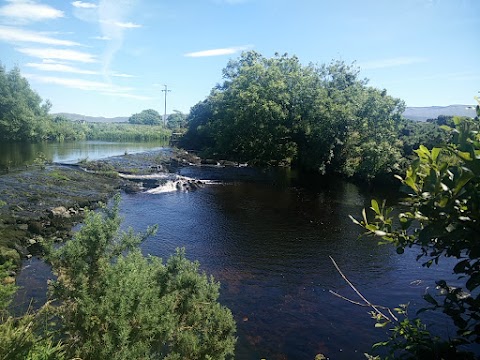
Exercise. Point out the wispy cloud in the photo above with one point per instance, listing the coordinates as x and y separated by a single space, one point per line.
15 35
393 62
126 25
58 67
112 16
121 75
58 54
218 52
84 5
104 88
53 66
104 38
25 11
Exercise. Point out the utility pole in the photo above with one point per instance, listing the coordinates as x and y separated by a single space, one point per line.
165 112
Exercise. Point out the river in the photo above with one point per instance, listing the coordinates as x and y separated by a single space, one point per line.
267 237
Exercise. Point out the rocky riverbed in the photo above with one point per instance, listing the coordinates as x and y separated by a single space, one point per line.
42 203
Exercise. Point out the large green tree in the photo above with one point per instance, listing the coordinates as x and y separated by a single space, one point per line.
23 115
278 111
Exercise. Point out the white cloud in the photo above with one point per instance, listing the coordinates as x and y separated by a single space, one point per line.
84 5
28 11
58 54
104 38
393 62
51 65
104 88
16 35
59 67
218 52
126 25
122 75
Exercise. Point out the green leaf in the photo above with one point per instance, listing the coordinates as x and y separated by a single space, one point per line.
375 206
435 152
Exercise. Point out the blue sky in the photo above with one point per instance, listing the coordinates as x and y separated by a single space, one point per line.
112 57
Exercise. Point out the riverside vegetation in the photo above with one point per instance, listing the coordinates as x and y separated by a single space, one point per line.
110 302
25 117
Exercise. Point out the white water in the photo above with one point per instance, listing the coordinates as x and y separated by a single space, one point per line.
171 182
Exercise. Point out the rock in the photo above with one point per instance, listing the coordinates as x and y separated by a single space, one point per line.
32 241
132 188
23 227
29 256
72 211
60 211
209 162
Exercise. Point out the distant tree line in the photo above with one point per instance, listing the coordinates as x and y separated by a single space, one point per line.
24 116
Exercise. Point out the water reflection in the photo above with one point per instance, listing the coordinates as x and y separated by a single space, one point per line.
19 154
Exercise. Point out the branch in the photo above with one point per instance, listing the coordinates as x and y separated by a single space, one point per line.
367 303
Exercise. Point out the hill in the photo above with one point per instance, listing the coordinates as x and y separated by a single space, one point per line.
412 113
432 112
97 119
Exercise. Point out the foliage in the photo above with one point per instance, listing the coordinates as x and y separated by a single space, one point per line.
278 111
22 114
177 120
7 289
116 304
22 337
442 220
146 117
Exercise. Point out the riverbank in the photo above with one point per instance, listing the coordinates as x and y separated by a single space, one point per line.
43 202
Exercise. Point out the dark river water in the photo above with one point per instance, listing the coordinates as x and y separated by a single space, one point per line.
267 238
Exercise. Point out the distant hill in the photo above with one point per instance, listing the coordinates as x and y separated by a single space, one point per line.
432 112
97 119
412 113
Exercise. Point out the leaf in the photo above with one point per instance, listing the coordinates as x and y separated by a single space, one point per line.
411 183
435 152
355 221
375 206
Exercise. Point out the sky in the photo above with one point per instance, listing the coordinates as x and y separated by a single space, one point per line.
114 57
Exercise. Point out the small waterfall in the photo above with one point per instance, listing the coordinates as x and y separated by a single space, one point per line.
163 182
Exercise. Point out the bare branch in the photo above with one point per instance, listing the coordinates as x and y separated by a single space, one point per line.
367 303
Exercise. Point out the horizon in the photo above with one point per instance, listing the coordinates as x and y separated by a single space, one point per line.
112 58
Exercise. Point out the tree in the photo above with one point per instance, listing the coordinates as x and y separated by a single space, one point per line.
442 219
22 115
177 120
146 117
117 304
271 111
